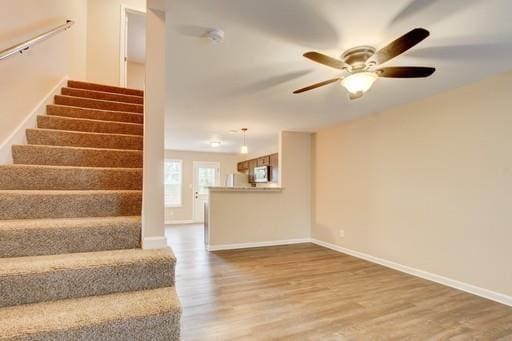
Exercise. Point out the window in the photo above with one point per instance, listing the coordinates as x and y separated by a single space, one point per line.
172 181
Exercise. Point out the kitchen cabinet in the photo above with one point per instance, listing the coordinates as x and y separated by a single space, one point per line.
274 167
248 166
243 166
263 161
252 164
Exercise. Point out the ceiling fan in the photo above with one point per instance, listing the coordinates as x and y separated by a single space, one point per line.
360 64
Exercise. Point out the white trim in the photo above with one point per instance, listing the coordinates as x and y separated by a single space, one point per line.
149 243
18 136
123 36
257 244
179 222
472 289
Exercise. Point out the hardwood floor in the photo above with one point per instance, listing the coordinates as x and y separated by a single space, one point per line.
306 292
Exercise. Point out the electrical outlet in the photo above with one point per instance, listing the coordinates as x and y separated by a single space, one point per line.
342 233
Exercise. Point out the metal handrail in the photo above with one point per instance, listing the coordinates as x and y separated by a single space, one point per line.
22 47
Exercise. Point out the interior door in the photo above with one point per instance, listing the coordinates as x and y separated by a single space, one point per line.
205 174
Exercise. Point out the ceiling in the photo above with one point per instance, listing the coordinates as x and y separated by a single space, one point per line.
247 81
136 37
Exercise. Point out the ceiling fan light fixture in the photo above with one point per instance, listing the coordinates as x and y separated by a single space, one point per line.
359 82
215 144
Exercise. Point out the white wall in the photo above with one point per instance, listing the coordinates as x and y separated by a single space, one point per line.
427 185
103 39
136 74
251 217
26 79
228 164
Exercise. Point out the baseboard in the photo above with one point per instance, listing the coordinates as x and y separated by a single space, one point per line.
179 222
472 289
18 136
149 243
257 244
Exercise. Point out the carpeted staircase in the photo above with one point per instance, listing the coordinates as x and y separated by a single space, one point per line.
71 266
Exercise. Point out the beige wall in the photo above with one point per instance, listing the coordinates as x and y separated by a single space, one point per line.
103 38
228 164
153 212
136 74
427 185
26 79
256 217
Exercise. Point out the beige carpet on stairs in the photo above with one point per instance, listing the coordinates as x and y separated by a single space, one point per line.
71 266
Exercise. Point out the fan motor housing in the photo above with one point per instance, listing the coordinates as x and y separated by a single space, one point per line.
356 57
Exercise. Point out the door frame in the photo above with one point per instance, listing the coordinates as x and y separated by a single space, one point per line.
123 39
194 182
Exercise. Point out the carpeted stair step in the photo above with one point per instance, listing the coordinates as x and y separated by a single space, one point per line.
30 204
104 88
76 156
93 114
37 237
37 177
107 96
97 104
52 137
86 125
138 315
34 279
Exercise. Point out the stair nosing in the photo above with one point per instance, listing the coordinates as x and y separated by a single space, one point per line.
139 151
139 169
99 84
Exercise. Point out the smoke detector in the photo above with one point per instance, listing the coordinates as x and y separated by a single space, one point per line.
216 35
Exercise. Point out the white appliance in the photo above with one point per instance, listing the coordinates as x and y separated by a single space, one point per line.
237 180
262 174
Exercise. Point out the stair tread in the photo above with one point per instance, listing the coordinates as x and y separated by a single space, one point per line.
98 103
36 237
78 314
77 148
58 223
67 192
92 109
88 93
85 132
77 84
74 119
22 166
62 262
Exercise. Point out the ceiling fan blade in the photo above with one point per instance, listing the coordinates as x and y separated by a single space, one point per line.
400 45
325 60
405 71
317 85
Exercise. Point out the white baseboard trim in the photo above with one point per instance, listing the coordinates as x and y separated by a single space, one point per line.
18 135
149 243
179 222
257 244
472 289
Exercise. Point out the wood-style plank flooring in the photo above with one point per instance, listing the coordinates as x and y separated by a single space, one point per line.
306 292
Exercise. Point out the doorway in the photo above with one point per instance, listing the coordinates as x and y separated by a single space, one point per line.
132 48
205 174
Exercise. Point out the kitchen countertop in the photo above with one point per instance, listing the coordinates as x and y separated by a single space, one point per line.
245 189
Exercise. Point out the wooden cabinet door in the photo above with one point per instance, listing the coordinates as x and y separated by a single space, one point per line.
274 167
243 166
252 164
264 161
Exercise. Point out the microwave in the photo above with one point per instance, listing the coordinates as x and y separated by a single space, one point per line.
262 174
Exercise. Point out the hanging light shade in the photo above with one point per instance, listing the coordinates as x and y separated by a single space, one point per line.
244 149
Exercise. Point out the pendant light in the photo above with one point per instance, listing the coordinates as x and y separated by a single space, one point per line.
244 149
